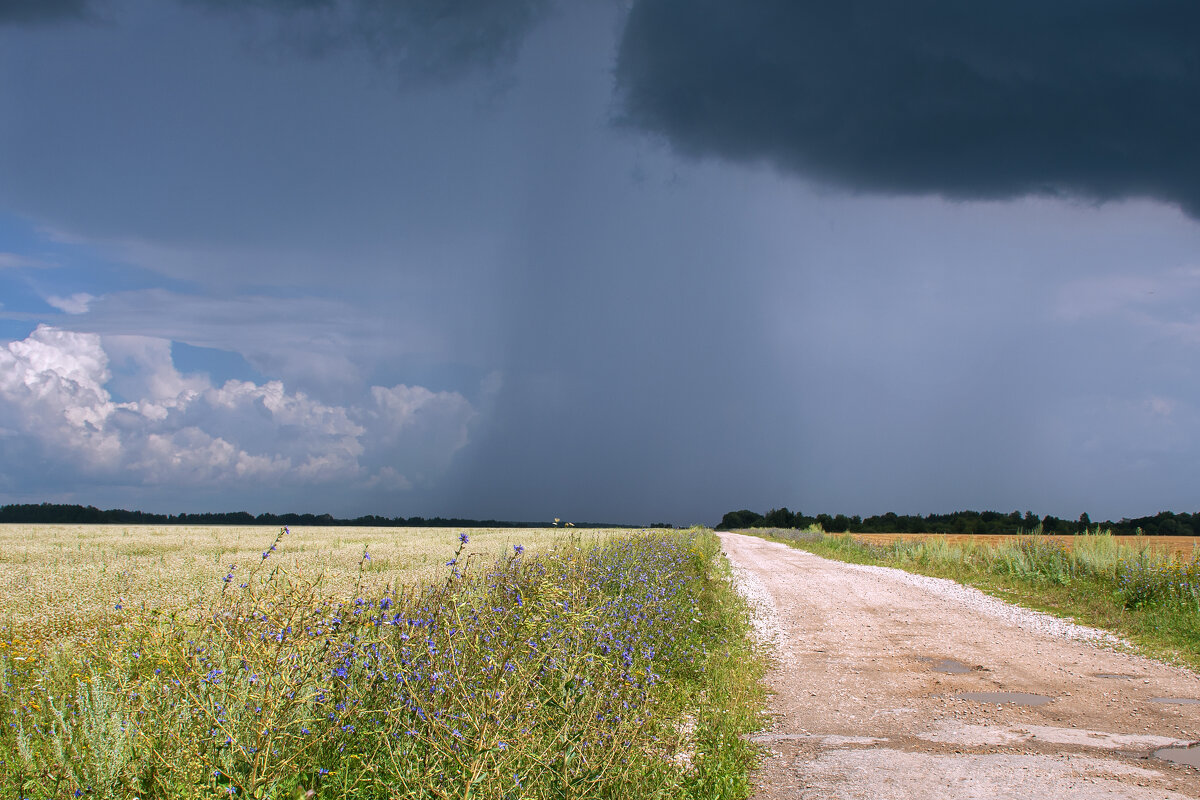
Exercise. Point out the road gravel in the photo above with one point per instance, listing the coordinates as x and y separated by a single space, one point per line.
870 665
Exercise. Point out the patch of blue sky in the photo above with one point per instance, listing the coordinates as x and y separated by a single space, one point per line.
21 254
19 237
51 266
18 298
219 365
14 329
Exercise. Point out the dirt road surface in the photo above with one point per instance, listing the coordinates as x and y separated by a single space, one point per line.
872 665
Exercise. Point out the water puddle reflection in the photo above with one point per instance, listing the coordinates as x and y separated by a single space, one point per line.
947 666
1189 756
1013 698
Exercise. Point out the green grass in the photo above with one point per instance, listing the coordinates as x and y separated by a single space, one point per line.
606 667
1138 593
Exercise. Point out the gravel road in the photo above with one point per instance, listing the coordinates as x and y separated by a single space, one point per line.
871 665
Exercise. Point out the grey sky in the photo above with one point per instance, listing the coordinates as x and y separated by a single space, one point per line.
597 261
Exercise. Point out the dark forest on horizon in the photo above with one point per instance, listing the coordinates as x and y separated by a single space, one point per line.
1164 523
60 513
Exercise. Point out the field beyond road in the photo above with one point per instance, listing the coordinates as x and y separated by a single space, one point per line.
1184 546
874 679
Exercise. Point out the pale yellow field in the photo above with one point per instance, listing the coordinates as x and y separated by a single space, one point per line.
1180 546
65 579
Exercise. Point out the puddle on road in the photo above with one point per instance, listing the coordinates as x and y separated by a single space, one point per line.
1179 701
1013 698
1180 755
947 666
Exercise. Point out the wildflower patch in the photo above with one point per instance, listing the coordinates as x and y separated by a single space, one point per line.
562 673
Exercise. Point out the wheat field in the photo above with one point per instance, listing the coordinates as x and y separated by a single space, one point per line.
63 579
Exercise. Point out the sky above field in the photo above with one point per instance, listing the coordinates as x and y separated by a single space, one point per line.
609 261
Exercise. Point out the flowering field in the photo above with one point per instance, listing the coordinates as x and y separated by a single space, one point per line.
346 663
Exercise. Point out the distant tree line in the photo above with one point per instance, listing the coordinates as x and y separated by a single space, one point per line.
1164 523
44 513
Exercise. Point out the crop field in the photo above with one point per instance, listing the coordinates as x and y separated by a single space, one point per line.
180 662
85 571
1184 546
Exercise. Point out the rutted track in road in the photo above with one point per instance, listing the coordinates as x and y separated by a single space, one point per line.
865 708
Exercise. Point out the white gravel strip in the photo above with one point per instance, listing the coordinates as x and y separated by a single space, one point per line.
764 615
967 597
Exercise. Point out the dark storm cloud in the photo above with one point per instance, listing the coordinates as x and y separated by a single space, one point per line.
421 39
27 11
995 99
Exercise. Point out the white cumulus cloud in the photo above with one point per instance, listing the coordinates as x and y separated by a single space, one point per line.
94 409
413 419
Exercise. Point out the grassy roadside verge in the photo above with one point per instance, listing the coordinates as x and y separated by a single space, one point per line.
729 699
1137 593
621 668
